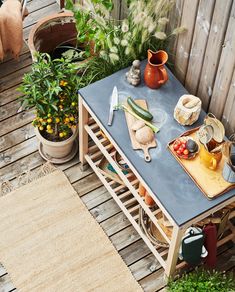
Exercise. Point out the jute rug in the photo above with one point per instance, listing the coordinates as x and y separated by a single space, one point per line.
50 242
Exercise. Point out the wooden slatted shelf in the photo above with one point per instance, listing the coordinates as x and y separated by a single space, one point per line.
97 137
126 193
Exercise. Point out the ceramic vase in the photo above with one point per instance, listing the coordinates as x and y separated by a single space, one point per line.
155 74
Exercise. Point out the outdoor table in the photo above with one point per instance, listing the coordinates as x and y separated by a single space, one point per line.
175 193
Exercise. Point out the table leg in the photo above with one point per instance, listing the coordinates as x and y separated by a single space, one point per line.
83 136
173 253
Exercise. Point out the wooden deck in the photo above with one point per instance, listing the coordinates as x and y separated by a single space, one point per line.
18 153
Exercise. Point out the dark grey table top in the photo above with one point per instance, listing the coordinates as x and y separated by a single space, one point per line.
166 178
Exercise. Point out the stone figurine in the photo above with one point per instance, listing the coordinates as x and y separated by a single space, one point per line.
133 76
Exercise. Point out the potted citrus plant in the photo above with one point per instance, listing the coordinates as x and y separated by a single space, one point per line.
51 88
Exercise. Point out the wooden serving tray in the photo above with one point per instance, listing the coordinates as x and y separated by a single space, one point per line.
130 120
210 182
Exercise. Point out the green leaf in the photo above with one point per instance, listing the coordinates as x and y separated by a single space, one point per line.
41 109
69 5
54 107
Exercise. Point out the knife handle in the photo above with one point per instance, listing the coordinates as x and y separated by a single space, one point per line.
110 118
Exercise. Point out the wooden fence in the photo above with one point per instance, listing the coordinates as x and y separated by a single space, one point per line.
204 56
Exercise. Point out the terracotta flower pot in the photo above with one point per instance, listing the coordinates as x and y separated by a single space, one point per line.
57 152
52 31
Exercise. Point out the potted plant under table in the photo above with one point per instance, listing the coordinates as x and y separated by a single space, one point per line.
51 89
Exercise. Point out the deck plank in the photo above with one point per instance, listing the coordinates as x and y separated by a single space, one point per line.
33 17
19 135
145 267
25 148
14 65
10 109
135 252
153 282
15 122
9 95
14 79
33 6
116 223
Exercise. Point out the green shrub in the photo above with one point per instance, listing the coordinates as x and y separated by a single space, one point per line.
203 281
118 42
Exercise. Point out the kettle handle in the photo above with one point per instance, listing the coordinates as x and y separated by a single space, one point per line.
164 75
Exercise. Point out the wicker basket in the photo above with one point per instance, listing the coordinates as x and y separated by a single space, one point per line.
151 231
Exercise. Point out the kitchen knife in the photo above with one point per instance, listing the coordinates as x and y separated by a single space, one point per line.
113 104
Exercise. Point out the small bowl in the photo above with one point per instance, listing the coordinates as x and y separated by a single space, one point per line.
191 155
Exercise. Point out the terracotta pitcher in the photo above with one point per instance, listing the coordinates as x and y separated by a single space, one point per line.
155 74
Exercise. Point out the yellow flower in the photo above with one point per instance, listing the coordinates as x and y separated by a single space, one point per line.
41 128
73 103
49 120
63 83
57 120
72 119
66 120
48 127
49 115
50 131
61 135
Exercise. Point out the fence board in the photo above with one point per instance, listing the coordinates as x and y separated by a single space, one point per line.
225 69
232 120
174 21
185 40
200 37
124 10
213 50
116 9
228 117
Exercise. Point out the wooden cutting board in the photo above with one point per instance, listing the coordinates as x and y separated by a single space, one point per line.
135 144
